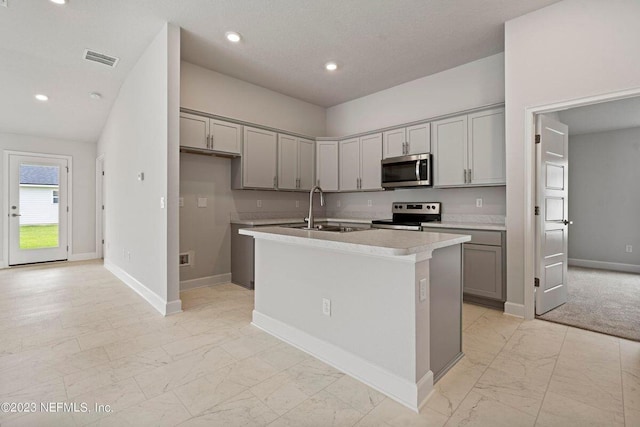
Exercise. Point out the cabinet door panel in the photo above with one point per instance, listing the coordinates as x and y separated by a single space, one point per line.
194 131
327 165
487 156
259 158
370 158
287 162
306 163
483 270
450 151
419 138
225 136
349 164
393 143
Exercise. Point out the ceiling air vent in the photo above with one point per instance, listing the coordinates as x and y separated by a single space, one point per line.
94 56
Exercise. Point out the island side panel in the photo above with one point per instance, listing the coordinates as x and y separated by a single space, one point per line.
372 300
446 309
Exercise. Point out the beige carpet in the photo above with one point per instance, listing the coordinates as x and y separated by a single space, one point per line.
601 301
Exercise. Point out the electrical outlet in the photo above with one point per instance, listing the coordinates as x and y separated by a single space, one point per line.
478 203
297 203
629 248
369 203
423 289
326 307
259 203
202 202
339 203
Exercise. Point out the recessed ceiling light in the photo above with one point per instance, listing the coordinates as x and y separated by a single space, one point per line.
232 36
59 1
331 66
95 95
41 97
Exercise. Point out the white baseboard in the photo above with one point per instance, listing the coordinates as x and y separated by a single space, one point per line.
205 281
174 307
151 297
83 257
405 392
513 309
602 265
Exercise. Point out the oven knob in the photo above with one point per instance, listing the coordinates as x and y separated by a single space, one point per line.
428 207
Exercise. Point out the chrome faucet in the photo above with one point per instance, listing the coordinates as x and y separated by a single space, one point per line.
313 190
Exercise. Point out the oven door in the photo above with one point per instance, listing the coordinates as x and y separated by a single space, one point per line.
407 171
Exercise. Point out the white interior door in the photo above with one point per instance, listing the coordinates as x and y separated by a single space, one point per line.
552 214
38 209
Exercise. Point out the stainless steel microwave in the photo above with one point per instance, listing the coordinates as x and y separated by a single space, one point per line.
407 171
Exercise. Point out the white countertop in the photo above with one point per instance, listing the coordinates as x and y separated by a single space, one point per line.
373 241
467 225
276 221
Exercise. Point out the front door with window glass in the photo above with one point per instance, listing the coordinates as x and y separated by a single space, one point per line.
37 209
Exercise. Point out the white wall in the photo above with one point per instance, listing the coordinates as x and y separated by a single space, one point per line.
603 196
468 86
570 50
84 183
207 230
215 93
36 205
140 136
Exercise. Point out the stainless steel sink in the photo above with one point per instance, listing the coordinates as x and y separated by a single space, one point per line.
328 227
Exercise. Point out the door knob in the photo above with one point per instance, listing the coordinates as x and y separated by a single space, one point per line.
15 214
567 222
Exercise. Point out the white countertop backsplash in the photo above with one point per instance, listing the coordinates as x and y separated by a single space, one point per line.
478 222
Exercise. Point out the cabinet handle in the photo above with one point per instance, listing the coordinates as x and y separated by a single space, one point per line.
469 176
208 141
464 174
275 182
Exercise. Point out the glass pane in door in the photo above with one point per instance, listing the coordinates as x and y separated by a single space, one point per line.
39 206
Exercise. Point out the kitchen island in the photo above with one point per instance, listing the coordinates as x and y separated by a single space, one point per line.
381 305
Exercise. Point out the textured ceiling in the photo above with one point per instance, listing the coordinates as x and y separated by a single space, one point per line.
606 116
377 44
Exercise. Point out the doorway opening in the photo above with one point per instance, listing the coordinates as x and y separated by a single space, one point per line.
587 260
38 210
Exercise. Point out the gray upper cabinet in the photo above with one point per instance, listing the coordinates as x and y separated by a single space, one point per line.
469 150
225 137
327 165
295 163
203 133
360 163
259 159
406 141
194 131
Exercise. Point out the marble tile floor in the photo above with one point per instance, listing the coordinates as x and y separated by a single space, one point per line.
74 333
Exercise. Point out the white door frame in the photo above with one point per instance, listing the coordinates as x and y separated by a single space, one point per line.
530 181
5 199
99 204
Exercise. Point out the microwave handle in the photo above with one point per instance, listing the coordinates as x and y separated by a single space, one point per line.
417 170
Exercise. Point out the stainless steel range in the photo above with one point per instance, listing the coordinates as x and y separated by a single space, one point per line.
410 216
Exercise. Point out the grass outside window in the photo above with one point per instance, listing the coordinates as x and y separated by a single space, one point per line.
38 236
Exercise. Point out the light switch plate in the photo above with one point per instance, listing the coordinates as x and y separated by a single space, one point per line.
202 202
326 306
162 203
4 3
423 289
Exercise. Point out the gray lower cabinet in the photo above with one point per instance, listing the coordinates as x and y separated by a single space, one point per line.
241 257
484 266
